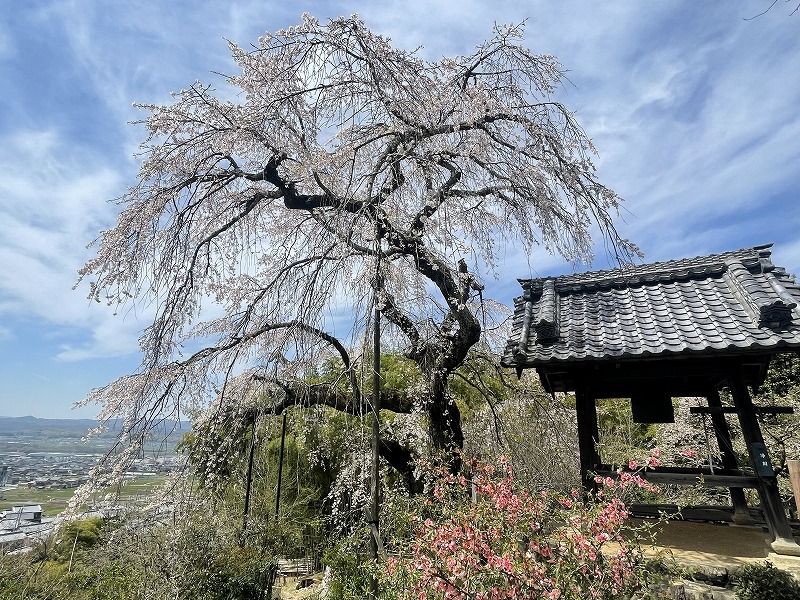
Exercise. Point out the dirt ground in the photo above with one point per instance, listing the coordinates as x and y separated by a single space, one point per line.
718 545
289 590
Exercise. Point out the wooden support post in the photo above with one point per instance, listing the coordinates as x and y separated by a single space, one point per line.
794 477
376 546
249 481
741 514
586 409
783 542
280 469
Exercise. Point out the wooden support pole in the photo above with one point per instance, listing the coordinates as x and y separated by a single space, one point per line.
741 514
249 481
280 468
774 513
374 510
375 485
794 476
586 409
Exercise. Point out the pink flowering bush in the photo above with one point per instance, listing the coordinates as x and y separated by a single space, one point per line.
486 540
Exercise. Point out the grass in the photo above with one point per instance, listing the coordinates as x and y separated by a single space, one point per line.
52 501
55 501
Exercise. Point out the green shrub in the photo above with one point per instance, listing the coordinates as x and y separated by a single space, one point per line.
765 582
239 574
77 537
509 543
350 567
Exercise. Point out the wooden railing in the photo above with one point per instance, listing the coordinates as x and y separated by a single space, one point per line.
295 567
680 476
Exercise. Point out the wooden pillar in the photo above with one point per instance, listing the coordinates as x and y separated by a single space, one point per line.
741 514
783 542
588 437
794 477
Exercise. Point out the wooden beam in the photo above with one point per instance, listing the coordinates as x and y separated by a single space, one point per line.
690 375
586 409
709 514
760 410
741 514
692 479
767 482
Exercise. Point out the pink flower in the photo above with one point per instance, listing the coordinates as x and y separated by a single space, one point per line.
472 550
391 565
633 465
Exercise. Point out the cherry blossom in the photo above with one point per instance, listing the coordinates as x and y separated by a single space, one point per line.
262 207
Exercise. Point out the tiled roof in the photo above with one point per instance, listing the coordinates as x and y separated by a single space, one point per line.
721 304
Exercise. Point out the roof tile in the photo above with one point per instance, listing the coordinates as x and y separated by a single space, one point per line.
716 304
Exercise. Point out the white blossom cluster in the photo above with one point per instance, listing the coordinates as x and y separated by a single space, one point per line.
260 213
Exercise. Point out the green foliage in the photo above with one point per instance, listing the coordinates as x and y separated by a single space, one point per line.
399 373
485 537
110 581
783 377
765 582
349 563
219 456
781 431
89 577
620 436
206 557
233 573
199 555
480 381
77 537
781 388
14 572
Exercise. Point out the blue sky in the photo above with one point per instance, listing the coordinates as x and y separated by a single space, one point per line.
693 110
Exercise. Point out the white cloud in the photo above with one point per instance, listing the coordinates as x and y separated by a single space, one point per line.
110 337
692 109
50 210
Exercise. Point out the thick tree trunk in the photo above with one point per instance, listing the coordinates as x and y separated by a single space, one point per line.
449 353
444 419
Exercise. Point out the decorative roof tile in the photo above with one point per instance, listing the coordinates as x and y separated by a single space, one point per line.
721 304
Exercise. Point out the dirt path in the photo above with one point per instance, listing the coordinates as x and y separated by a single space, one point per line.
718 545
290 591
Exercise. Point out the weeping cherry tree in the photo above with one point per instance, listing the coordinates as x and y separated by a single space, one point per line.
261 210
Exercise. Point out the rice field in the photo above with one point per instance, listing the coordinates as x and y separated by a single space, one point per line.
55 501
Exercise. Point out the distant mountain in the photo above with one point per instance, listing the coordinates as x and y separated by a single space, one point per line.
34 426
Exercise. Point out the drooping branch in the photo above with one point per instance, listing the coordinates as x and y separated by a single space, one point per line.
266 207
332 396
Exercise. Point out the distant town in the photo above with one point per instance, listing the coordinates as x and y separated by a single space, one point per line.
42 461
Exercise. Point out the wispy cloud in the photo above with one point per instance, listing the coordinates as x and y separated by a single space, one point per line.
692 109
6 42
50 209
